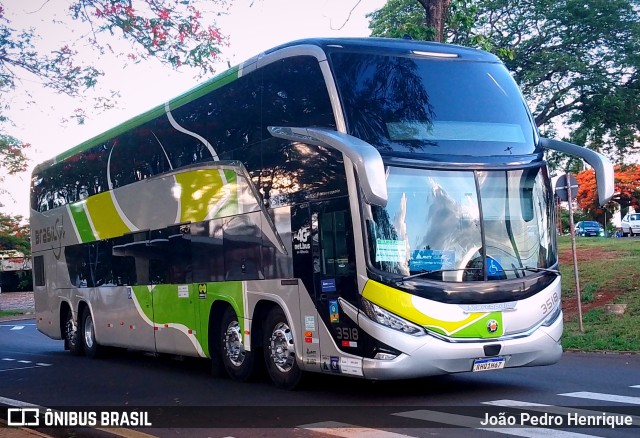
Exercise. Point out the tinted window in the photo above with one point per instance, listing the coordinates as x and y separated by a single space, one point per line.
38 271
71 180
295 94
418 104
228 119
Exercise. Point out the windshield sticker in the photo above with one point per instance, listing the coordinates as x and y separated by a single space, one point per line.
431 260
391 251
334 315
494 268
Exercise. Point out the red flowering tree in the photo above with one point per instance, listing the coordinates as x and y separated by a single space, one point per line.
627 190
14 234
175 32
12 158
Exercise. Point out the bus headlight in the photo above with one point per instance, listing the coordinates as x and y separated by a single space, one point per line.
551 318
388 319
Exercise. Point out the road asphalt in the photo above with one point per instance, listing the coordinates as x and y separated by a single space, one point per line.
15 301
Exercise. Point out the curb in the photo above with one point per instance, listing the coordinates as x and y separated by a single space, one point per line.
20 317
19 432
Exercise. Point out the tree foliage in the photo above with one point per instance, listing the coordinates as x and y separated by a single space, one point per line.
177 33
576 60
171 31
14 234
418 19
626 189
12 158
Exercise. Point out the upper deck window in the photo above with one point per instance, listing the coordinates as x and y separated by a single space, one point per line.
411 104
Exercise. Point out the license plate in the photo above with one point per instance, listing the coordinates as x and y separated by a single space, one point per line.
493 363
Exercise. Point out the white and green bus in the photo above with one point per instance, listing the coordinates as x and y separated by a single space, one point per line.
368 207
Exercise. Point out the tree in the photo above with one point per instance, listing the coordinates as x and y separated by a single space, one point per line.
177 33
626 189
14 234
12 158
575 60
424 21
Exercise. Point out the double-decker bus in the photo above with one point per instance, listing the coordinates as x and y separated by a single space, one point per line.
368 207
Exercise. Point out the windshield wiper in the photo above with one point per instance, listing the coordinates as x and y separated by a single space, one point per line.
515 269
434 271
534 269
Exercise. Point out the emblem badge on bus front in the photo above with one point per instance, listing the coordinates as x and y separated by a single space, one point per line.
489 307
492 326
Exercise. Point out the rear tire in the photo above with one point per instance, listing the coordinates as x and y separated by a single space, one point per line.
237 361
71 336
280 351
91 347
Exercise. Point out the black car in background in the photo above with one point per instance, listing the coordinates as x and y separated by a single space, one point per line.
589 228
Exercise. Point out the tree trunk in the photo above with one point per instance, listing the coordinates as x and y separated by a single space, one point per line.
436 12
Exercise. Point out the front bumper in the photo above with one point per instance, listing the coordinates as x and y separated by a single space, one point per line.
431 356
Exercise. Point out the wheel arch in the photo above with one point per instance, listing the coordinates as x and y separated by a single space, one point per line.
65 308
258 317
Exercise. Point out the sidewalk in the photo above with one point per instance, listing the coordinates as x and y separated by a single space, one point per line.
19 432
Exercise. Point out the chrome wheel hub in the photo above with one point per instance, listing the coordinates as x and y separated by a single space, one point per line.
88 332
233 346
281 347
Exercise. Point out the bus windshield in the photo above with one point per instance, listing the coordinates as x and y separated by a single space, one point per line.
425 105
464 225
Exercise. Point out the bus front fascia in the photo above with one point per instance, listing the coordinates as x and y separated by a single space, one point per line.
365 158
601 165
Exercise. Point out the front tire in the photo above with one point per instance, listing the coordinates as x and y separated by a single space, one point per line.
237 361
280 351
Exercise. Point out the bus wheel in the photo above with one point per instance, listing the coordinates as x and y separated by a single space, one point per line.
279 351
71 338
237 361
91 347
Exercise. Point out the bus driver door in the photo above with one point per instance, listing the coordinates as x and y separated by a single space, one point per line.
334 274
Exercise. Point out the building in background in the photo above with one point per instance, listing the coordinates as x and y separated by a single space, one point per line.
15 271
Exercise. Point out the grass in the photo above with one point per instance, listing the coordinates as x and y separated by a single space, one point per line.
609 274
15 312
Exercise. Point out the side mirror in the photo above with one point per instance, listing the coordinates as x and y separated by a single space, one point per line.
365 158
601 165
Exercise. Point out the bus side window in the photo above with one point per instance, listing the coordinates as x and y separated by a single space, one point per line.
242 242
38 271
337 256
207 252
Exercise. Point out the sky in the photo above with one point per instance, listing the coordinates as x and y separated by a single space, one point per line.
252 26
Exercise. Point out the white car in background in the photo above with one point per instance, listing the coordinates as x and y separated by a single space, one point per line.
631 224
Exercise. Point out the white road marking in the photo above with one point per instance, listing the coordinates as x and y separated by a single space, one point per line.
14 325
17 327
474 423
21 368
604 397
635 386
346 430
36 365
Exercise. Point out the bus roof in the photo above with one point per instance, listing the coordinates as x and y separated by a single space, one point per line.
398 45
394 45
